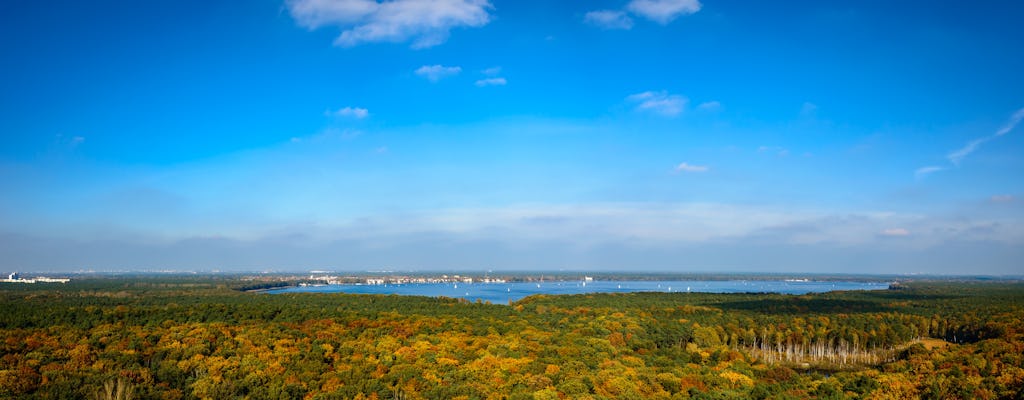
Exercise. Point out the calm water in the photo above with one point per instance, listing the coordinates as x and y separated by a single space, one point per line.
501 293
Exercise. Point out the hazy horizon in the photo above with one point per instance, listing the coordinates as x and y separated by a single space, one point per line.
554 274
657 135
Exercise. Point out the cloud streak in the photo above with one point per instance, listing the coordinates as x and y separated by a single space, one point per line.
897 232
1012 123
925 171
491 82
710 106
957 156
685 167
424 23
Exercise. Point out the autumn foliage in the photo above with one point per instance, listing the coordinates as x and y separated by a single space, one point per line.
199 339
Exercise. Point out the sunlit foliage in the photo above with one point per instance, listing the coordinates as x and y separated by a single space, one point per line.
197 338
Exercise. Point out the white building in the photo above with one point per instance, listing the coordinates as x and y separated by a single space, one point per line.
14 277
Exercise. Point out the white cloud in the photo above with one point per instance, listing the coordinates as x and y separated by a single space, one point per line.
435 73
1001 198
710 106
609 19
684 167
491 82
895 232
1012 123
317 13
350 112
659 102
925 171
663 11
958 155
425 22
492 71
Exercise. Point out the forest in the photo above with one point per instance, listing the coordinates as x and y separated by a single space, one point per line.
202 338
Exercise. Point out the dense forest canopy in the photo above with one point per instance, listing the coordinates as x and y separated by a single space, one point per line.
200 338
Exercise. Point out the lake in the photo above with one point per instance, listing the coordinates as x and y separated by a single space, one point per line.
502 293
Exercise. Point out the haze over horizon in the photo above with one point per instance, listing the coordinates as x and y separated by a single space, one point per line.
647 135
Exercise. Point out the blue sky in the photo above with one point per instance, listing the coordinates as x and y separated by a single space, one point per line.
662 135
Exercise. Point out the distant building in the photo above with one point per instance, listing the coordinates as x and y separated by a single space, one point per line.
16 278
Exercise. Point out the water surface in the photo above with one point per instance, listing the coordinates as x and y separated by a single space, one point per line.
503 293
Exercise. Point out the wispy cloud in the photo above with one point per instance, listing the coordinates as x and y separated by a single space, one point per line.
437 72
1012 123
925 171
491 82
1002 198
808 109
609 19
895 232
710 106
660 102
69 142
957 156
686 167
328 135
425 23
777 150
349 112
663 11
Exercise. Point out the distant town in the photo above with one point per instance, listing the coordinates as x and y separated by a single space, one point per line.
14 277
397 280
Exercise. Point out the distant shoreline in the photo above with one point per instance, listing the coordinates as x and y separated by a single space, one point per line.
262 290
